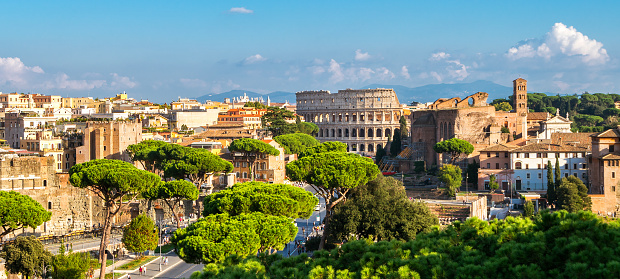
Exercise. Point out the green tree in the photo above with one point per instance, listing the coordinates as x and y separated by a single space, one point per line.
272 199
184 127
551 195
404 131
503 106
70 265
451 176
528 209
258 215
572 195
26 255
296 143
146 153
493 183
275 120
395 148
505 130
140 235
454 148
379 154
558 174
380 210
172 193
332 175
328 146
112 181
196 165
308 128
251 150
19 211
257 105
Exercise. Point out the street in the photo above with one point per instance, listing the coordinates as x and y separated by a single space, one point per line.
306 224
176 268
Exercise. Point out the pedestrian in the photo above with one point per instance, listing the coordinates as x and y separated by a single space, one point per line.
128 276
140 270
145 270
166 262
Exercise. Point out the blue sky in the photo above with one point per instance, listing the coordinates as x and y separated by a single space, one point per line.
159 50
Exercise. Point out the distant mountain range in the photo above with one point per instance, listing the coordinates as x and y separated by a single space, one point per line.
426 93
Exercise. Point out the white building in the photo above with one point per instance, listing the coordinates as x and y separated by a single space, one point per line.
556 124
529 163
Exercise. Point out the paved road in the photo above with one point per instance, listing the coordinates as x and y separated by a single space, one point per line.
290 248
176 268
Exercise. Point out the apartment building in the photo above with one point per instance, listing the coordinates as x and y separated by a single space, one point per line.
267 168
524 167
250 118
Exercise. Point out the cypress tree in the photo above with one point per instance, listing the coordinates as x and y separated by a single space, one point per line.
558 175
551 196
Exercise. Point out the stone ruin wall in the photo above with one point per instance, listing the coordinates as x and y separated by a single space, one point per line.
72 208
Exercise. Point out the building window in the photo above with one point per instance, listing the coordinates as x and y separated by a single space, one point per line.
538 166
575 166
539 175
488 154
49 205
245 175
244 165
527 155
44 183
566 175
527 175
105 148
496 154
497 165
505 165
488 165
612 148
565 166
538 155
527 166
518 165
505 154
613 174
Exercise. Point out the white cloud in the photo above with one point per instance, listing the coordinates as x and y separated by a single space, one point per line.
121 81
241 10
62 81
457 70
336 71
361 56
439 56
384 74
316 70
193 83
404 71
13 70
436 76
562 40
254 59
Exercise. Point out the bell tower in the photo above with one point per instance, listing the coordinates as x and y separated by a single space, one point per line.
520 96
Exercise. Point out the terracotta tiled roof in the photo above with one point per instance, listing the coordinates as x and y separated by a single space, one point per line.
611 156
499 147
611 133
538 116
543 147
581 138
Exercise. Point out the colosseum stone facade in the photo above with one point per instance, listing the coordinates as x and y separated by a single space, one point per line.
363 119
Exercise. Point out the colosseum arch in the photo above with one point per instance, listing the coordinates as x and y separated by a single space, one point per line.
362 147
361 135
346 132
370 132
333 133
354 132
370 148
388 132
379 134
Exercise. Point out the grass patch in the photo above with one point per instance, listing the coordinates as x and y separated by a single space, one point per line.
165 249
94 263
116 275
136 263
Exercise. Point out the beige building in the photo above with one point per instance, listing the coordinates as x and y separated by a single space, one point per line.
19 126
267 168
186 104
604 172
47 146
250 118
191 119
107 140
81 102
363 119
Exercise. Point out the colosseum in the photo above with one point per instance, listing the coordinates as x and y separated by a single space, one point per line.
363 119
